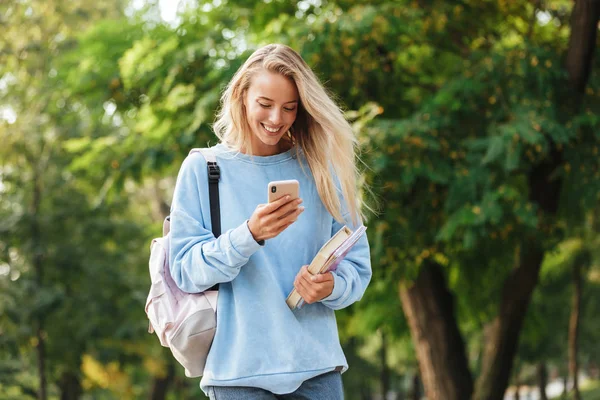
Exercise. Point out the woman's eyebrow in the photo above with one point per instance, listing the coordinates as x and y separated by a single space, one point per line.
268 99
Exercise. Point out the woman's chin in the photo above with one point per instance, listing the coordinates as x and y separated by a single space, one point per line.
270 140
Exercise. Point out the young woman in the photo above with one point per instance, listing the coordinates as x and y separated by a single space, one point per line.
276 123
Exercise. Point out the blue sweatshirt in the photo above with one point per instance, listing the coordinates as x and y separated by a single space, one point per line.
259 341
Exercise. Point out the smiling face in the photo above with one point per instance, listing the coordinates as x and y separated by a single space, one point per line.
271 104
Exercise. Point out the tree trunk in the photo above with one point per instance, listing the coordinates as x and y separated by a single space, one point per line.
504 332
416 388
582 42
594 370
36 245
385 373
542 373
365 393
574 329
565 386
160 385
70 386
399 390
517 385
41 354
429 309
544 192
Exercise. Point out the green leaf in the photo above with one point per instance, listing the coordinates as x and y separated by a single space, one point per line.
495 149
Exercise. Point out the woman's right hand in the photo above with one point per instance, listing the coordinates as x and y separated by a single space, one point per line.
269 220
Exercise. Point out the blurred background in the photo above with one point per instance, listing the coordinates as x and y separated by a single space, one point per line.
479 128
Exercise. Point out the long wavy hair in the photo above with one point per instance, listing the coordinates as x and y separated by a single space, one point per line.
320 129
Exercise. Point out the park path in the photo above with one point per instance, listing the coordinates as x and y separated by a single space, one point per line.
553 390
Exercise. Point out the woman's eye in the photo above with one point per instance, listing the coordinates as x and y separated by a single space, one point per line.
289 109
264 105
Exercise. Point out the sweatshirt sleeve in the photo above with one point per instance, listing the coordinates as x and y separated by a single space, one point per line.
197 259
353 273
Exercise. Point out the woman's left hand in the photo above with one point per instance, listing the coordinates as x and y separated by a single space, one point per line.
313 288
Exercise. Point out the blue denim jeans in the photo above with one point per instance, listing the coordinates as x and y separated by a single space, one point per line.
327 386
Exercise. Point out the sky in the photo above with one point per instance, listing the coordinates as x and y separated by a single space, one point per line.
168 10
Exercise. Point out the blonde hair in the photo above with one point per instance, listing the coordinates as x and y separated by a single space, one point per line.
320 129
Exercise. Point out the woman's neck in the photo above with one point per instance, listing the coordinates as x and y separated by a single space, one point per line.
282 146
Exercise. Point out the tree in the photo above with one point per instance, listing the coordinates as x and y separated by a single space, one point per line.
58 246
482 179
475 157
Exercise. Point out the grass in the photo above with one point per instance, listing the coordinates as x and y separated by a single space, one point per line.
589 391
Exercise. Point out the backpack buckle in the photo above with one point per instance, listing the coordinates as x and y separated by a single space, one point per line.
214 172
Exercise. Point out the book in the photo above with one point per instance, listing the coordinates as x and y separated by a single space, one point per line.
328 258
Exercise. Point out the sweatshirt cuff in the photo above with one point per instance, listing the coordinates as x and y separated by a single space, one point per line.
242 240
338 288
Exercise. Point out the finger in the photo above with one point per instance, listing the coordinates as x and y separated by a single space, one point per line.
293 216
301 271
271 207
305 278
321 278
282 224
305 290
283 210
304 272
313 292
287 209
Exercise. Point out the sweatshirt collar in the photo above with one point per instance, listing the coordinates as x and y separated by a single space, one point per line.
263 160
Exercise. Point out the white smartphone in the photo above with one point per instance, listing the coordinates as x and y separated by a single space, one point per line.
278 189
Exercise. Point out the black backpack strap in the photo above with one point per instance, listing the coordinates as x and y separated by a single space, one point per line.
214 174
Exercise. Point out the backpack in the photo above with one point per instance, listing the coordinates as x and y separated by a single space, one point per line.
184 322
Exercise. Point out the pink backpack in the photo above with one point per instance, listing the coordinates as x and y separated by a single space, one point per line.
184 322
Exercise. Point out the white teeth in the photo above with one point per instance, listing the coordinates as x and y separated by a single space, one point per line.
271 129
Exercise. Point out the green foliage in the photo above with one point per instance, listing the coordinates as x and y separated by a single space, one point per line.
454 104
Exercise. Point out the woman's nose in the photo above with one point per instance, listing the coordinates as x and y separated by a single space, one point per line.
275 117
